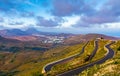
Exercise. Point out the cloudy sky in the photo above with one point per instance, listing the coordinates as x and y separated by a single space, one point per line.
70 16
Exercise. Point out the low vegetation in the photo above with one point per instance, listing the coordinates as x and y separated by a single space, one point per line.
82 59
110 68
47 57
30 62
75 62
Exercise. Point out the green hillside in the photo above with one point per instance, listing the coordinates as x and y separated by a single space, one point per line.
110 68
31 63
28 63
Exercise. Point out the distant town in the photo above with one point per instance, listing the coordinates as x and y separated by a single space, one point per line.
53 39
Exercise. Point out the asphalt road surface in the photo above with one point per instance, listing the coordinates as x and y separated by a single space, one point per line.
50 65
78 70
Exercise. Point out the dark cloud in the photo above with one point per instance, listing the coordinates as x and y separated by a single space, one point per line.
66 7
89 15
58 19
98 19
108 13
49 23
71 7
112 8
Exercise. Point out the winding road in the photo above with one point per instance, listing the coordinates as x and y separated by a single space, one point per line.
48 67
110 54
95 50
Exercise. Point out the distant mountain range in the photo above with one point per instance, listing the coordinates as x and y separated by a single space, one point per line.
87 37
29 31
18 32
32 34
7 40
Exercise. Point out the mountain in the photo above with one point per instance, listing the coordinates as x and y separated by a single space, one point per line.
13 32
28 38
81 38
33 31
31 34
29 31
18 32
7 40
23 38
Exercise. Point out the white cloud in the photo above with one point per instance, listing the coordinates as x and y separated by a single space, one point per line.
69 21
115 25
27 22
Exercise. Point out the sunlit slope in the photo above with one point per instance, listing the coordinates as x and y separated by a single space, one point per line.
82 59
31 63
54 54
110 68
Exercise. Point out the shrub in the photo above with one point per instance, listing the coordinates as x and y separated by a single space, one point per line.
37 74
118 48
